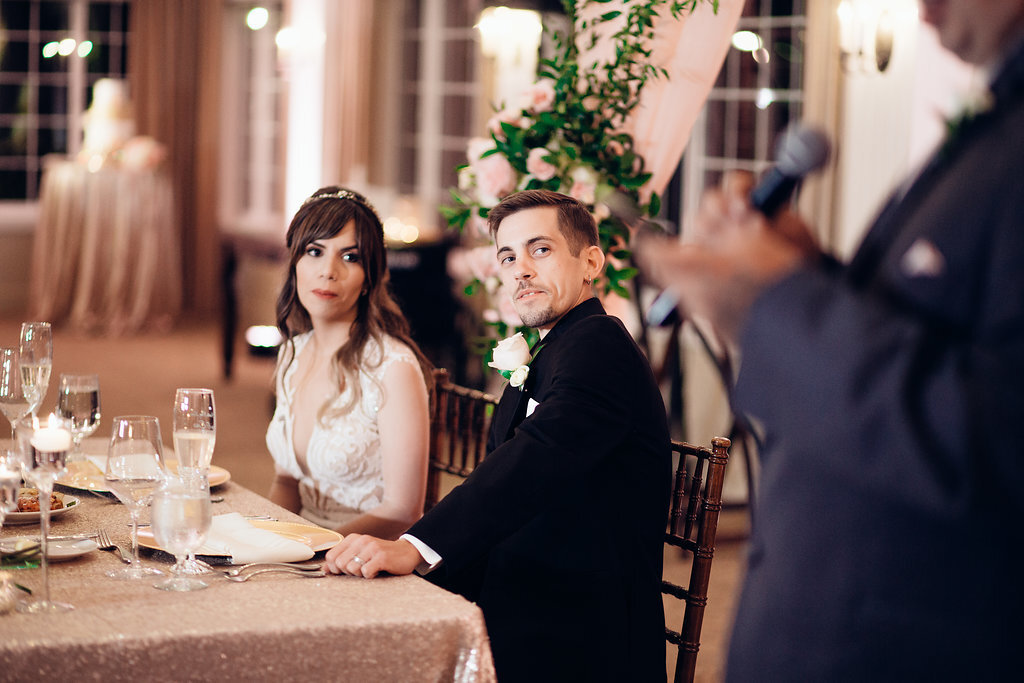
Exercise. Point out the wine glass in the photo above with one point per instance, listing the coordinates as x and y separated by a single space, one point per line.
195 431
78 400
46 461
181 517
36 359
133 473
13 402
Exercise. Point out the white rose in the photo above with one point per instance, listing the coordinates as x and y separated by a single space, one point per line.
511 353
519 376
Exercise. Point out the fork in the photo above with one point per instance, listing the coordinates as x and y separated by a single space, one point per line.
305 573
104 542
310 567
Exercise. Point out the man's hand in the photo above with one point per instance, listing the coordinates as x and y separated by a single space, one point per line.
367 556
732 255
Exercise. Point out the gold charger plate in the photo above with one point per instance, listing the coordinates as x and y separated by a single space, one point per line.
315 537
85 475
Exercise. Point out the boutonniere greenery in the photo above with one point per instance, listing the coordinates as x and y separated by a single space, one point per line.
976 104
512 358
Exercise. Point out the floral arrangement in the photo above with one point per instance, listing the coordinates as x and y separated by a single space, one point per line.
511 358
566 135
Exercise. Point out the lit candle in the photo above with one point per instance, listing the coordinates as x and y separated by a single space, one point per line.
53 438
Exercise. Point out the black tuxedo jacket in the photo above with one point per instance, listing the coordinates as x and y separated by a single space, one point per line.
557 534
889 519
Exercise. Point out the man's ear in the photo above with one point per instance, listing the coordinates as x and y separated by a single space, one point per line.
595 261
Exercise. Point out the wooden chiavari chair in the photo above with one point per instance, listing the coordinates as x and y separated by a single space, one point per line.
693 524
459 420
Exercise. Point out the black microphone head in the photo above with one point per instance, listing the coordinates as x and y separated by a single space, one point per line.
801 150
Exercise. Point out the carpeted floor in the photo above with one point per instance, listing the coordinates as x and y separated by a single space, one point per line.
138 375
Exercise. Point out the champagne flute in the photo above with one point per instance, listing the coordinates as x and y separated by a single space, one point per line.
181 517
36 360
13 402
47 460
133 473
195 433
78 400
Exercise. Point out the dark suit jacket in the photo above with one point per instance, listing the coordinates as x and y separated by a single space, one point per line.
889 518
557 534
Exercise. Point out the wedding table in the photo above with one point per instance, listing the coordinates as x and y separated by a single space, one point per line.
105 256
273 627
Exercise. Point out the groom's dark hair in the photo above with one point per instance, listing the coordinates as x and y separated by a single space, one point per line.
574 221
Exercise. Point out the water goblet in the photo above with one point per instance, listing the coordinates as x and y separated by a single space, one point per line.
35 359
13 402
78 400
133 474
181 518
46 461
10 482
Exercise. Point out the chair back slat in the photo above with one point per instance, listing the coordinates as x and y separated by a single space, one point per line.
459 420
698 481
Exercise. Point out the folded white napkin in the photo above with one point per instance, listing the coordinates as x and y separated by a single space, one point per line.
230 534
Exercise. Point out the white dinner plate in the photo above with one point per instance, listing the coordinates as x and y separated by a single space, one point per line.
70 503
56 551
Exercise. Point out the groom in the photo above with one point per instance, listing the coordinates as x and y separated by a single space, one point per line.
557 534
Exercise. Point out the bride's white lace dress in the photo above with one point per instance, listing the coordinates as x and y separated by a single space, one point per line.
340 476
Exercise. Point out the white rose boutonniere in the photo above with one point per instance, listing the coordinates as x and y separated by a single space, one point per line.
511 358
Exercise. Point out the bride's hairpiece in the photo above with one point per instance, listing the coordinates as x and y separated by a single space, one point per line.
343 194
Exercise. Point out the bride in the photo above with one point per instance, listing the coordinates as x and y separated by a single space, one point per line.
349 435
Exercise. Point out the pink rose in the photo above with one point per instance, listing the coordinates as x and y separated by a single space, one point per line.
506 115
538 167
495 178
482 262
476 148
584 184
506 309
478 226
540 96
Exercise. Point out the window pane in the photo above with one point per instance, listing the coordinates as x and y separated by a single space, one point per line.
13 140
457 112
13 99
99 16
53 99
12 184
459 60
53 16
15 57
53 141
15 14
98 61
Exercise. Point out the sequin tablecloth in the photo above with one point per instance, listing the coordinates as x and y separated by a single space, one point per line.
105 257
273 627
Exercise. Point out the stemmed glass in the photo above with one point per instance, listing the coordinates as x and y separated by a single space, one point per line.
10 482
78 400
133 473
46 461
36 360
181 517
13 402
195 433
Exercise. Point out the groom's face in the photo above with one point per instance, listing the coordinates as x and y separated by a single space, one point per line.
546 280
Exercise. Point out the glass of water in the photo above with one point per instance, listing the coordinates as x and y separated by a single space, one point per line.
78 400
181 518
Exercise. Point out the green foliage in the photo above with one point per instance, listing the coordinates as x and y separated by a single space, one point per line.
572 127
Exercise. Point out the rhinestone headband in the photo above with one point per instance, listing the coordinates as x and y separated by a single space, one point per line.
342 194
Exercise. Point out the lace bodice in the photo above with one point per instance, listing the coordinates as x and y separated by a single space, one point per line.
343 458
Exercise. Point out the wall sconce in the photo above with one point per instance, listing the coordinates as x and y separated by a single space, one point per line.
866 36
511 37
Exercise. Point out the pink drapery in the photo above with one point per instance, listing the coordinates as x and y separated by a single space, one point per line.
692 50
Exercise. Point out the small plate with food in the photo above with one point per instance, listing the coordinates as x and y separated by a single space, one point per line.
28 506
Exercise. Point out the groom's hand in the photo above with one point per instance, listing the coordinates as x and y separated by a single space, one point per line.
367 556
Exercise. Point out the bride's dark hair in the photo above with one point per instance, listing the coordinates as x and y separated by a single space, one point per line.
322 216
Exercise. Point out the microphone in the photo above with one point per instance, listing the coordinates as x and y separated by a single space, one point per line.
800 151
